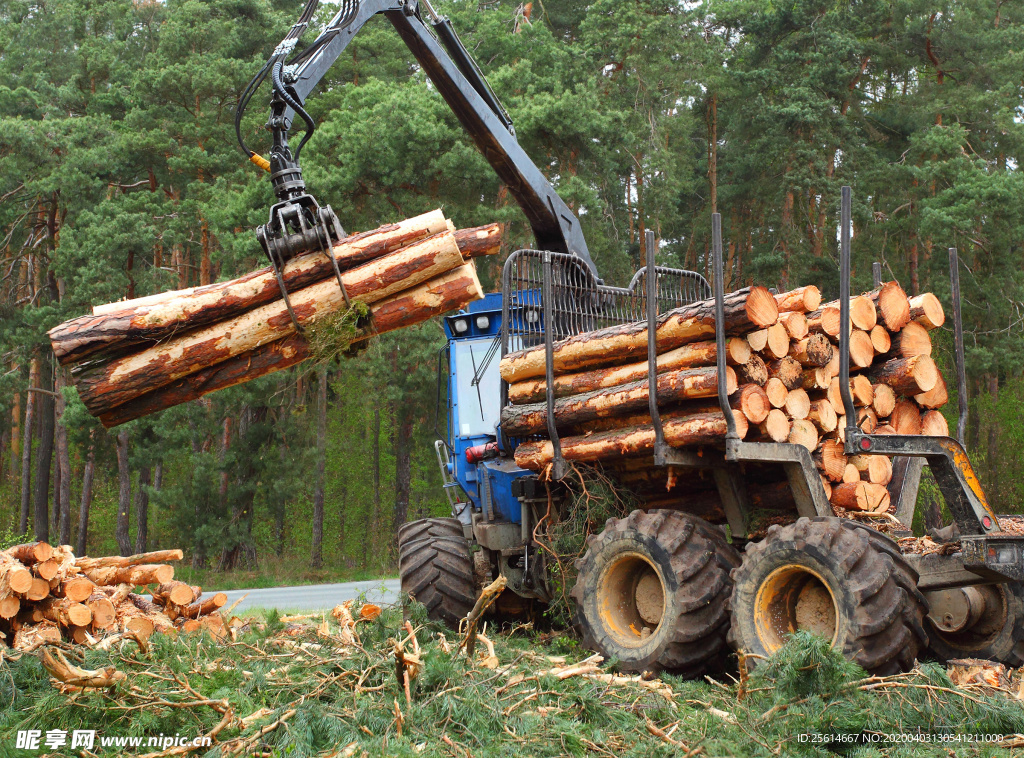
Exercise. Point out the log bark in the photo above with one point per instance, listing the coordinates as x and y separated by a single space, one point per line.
32 636
881 342
798 404
694 429
795 323
814 351
883 400
65 611
831 459
752 401
911 340
123 561
822 415
479 241
891 306
205 606
696 354
907 376
133 575
525 420
745 310
936 397
178 593
927 310
776 392
860 496
754 371
13 574
800 300
31 552
788 371
934 423
418 304
127 324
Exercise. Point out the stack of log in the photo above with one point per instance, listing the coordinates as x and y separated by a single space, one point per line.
135 357
49 594
782 378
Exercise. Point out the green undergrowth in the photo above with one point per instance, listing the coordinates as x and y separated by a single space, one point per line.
325 696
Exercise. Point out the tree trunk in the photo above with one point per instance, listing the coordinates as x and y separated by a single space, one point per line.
15 431
993 440
371 517
83 510
124 495
44 456
63 465
142 509
316 549
403 471
26 448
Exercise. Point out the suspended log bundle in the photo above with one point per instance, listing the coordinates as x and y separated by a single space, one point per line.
782 381
89 598
136 357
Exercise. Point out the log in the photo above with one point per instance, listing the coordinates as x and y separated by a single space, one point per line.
31 552
860 388
876 469
47 569
788 371
862 313
694 355
776 392
754 371
795 323
14 577
885 429
433 298
119 561
816 379
911 340
32 636
826 485
883 400
802 432
867 421
906 418
775 427
862 352
758 340
108 385
850 474
40 589
798 404
814 351
131 619
937 396
177 593
907 376
205 606
831 459
132 575
824 321
777 345
927 311
934 423
752 401
525 420
479 241
705 428
860 496
880 339
9 606
745 310
77 588
891 306
801 300
65 611
822 415
158 317
104 615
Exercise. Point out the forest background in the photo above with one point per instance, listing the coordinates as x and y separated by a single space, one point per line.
120 177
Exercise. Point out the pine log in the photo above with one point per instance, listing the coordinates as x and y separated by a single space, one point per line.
745 310
802 432
79 635
133 575
65 611
937 396
777 345
144 604
850 474
795 323
934 423
214 624
906 418
831 459
798 404
32 636
885 428
47 569
867 420
479 241
860 388
40 589
118 561
813 351
883 400
860 496
927 311
752 401
824 321
758 340
822 415
907 376
707 428
525 420
788 371
880 339
775 427
754 371
694 355
876 469
104 615
911 340
14 577
157 317
178 593
800 300
862 313
31 552
131 619
891 306
776 392
862 352
9 606
433 298
77 588
816 379
205 606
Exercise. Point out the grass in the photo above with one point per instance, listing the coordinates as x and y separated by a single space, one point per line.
325 698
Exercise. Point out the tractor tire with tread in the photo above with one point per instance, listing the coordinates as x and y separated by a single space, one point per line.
438 572
835 578
430 527
653 592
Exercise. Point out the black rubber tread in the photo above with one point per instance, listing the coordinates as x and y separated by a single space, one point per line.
1005 646
880 610
695 561
438 572
430 527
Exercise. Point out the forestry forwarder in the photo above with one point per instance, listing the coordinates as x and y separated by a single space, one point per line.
667 570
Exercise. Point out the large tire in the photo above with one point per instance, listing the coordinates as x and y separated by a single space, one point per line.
430 527
653 592
438 572
998 635
835 578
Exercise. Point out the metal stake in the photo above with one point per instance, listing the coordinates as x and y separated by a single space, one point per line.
558 467
731 437
958 343
844 317
651 274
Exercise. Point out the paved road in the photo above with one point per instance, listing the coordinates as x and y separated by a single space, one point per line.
316 596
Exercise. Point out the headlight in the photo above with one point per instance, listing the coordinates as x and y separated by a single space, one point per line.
483 323
461 326
532 316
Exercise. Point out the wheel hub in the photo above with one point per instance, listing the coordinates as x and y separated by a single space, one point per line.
794 597
631 599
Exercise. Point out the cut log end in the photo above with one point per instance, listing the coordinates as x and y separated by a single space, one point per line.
927 310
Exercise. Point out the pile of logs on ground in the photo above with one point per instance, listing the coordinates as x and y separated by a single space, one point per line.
782 378
135 357
48 594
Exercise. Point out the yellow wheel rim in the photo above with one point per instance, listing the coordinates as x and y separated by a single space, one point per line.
794 597
631 599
